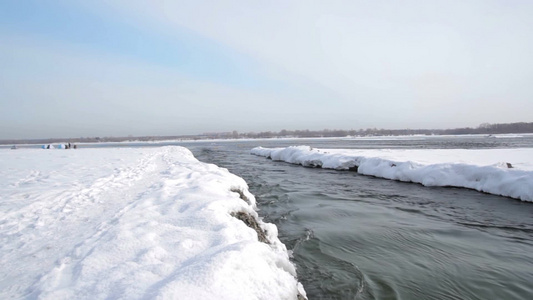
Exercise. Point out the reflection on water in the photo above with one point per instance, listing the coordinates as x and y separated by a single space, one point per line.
359 237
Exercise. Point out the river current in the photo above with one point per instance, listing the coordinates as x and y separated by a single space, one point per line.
360 237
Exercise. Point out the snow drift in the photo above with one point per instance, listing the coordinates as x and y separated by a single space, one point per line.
134 223
506 172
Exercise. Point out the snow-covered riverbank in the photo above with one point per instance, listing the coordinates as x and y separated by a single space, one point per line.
133 223
506 172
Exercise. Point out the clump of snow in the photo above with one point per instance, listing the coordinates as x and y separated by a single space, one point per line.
133 223
506 172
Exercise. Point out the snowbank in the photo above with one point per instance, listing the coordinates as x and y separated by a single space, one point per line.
506 172
134 223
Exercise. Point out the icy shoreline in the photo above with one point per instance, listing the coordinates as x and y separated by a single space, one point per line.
134 223
505 172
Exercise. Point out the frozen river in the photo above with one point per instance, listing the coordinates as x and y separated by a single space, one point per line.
361 237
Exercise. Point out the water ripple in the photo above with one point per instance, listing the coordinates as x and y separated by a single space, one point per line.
356 237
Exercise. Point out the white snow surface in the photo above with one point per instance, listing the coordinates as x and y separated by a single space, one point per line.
132 223
484 170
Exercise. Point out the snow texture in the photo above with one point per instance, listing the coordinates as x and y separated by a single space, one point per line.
133 223
505 172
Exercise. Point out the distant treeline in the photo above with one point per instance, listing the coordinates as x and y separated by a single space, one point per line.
484 128
92 140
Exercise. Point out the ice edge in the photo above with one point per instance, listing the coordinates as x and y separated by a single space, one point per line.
499 179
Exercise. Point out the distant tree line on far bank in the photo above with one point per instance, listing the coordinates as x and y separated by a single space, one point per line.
485 128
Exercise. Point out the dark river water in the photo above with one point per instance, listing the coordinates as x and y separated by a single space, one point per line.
360 237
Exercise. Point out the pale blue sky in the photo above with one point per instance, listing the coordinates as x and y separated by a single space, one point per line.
116 68
189 53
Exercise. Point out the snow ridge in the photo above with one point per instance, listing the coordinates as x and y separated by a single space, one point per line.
133 223
498 178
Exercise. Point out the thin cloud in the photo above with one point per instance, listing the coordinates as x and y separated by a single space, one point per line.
174 67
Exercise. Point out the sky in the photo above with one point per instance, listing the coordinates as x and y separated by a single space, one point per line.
131 67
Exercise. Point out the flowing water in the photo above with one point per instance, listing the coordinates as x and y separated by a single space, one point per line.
359 237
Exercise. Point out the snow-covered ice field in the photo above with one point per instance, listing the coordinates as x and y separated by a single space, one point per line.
133 223
506 172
